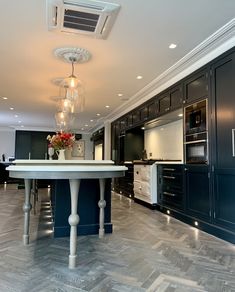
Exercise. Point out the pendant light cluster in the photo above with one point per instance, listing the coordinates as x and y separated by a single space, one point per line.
71 100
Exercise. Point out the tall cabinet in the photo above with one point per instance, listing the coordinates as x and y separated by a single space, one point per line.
223 164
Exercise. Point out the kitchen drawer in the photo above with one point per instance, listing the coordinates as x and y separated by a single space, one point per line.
170 185
142 172
142 194
142 187
171 199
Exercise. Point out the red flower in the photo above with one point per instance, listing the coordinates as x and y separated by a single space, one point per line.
61 140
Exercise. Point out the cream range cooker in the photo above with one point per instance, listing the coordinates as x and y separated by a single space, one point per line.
145 179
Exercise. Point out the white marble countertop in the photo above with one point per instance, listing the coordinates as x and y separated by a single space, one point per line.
61 162
169 162
65 169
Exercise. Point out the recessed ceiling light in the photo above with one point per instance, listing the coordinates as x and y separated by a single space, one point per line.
82 129
180 115
19 122
22 126
120 94
91 120
98 115
11 108
16 116
86 125
4 97
172 46
139 77
107 106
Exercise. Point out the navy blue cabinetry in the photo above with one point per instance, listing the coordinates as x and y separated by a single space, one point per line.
225 198
198 202
196 87
170 186
223 80
88 209
171 99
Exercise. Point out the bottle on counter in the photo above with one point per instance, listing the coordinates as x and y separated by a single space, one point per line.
144 155
3 157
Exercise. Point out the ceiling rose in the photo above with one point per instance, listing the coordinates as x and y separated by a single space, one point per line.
75 55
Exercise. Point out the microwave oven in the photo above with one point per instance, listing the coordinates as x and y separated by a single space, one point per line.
196 118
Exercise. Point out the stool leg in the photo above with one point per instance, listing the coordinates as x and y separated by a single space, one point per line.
34 195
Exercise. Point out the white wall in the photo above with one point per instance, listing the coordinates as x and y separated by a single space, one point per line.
98 151
7 145
88 146
165 142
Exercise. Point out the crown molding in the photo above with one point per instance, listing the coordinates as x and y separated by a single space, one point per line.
216 44
6 129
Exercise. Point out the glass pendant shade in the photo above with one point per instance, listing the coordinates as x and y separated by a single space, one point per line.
64 120
69 91
71 98
65 105
72 81
78 105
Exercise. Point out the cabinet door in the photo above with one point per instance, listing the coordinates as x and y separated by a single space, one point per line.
22 144
224 127
196 87
198 203
225 198
152 109
130 120
33 143
38 145
136 117
115 141
176 96
144 113
223 90
123 124
164 103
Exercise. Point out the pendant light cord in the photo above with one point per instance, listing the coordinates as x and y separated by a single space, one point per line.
72 68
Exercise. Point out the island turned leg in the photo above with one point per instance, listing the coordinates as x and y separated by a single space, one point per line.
26 208
34 195
101 205
73 221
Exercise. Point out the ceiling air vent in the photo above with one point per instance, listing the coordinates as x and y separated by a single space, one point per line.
88 17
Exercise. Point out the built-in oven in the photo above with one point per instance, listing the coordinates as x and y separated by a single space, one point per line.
196 148
196 134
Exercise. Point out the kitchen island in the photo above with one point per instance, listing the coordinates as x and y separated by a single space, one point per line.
74 171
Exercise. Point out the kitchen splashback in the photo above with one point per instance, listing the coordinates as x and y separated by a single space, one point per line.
165 142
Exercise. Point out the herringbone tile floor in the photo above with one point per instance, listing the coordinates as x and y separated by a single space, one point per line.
148 251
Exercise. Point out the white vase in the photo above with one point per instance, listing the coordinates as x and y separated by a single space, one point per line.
61 154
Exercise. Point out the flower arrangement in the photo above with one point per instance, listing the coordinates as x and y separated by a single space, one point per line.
61 140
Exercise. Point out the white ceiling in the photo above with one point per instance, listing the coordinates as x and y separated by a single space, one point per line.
137 45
